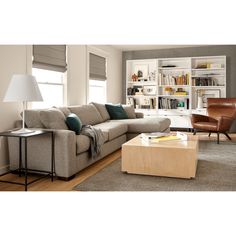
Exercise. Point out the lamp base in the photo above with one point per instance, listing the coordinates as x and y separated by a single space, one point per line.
23 131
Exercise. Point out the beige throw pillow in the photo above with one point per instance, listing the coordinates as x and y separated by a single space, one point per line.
130 111
53 119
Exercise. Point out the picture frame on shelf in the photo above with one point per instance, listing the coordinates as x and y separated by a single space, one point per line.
149 90
209 93
141 68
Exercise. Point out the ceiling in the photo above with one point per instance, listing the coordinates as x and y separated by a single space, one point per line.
135 47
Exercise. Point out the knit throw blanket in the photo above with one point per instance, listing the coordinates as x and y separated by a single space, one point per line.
96 139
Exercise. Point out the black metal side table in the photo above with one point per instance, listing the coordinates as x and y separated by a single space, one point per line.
26 170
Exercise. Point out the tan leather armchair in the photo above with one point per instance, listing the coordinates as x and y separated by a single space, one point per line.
221 114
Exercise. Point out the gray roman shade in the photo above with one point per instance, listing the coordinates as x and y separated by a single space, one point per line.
97 67
50 57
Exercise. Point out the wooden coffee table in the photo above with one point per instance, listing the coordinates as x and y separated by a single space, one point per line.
168 158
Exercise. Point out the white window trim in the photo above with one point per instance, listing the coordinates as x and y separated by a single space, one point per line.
99 52
63 84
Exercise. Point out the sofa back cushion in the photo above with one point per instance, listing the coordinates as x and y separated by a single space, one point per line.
116 112
32 119
53 119
88 114
130 111
102 110
64 110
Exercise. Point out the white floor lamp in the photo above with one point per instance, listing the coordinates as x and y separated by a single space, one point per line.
23 88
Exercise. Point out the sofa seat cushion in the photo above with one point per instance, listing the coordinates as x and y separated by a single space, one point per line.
82 143
112 129
88 114
147 125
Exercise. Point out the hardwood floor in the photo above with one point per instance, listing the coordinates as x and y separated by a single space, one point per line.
60 185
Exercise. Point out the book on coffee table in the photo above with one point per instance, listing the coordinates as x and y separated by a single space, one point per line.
150 136
164 139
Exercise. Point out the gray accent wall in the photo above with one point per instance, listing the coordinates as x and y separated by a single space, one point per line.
217 50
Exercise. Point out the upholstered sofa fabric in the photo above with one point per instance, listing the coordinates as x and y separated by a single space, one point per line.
146 125
88 114
82 143
102 110
32 119
114 129
53 119
64 110
130 111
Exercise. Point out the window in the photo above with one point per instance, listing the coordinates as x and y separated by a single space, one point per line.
49 68
52 87
97 79
97 91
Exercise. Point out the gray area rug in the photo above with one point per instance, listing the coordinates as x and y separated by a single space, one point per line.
216 172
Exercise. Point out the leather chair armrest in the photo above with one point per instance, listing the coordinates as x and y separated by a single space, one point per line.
224 123
199 118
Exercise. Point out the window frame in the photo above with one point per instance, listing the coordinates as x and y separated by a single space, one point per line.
101 53
63 84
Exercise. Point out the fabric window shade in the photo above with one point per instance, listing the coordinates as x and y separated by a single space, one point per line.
97 67
50 57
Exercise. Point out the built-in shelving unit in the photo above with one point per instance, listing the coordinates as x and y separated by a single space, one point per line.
171 87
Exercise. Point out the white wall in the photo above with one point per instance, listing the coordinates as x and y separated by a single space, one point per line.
12 61
77 73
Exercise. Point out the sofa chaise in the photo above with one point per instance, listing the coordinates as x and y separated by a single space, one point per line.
72 152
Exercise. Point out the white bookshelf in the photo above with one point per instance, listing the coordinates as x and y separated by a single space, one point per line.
169 87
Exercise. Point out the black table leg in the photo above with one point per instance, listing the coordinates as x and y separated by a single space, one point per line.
26 183
52 157
20 157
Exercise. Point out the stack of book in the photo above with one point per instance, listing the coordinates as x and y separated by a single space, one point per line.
161 137
202 81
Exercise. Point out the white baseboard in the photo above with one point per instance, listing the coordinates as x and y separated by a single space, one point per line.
4 169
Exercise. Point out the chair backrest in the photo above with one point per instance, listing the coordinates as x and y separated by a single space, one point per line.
217 107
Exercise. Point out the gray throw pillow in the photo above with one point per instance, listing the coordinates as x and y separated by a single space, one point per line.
130 111
53 119
102 110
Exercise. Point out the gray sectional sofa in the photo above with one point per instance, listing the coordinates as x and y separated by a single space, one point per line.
72 152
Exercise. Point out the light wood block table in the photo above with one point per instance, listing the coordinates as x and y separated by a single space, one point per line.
174 158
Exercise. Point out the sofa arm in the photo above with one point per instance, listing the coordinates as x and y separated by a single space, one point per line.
39 152
139 114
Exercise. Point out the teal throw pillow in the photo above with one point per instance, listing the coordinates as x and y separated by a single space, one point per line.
74 123
116 112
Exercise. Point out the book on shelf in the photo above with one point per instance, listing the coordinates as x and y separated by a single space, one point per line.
203 81
173 80
169 103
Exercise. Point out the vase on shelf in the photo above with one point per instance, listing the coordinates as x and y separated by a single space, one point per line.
199 103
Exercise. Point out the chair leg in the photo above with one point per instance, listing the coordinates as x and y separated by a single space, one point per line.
209 134
227 136
218 137
194 131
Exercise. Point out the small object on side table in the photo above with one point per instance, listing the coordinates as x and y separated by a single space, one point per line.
25 170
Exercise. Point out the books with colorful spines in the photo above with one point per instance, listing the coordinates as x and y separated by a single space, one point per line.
166 138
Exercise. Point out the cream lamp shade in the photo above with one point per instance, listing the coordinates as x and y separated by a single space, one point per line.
23 88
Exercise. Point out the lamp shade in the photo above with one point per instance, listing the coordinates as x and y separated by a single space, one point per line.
23 88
